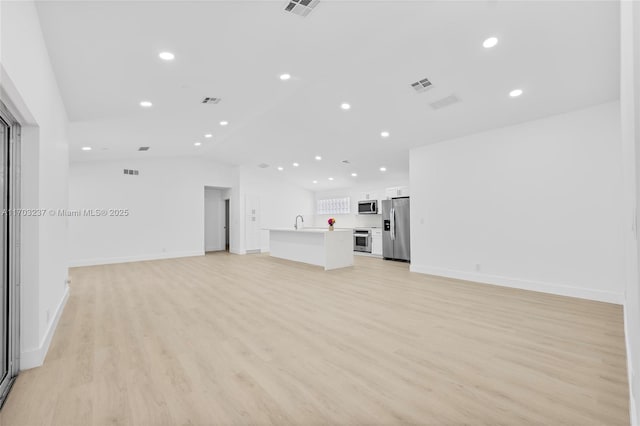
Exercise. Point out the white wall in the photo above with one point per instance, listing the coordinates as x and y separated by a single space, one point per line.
630 121
279 201
165 201
213 220
28 84
537 205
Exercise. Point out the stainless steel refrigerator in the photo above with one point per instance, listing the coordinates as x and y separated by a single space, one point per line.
396 244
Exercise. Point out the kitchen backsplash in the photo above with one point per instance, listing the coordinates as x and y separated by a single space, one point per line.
347 220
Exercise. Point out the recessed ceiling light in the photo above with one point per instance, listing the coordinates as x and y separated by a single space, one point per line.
167 56
385 134
224 123
515 93
208 135
318 157
295 164
280 168
383 169
197 143
330 178
145 104
354 174
490 42
285 77
86 148
315 181
345 106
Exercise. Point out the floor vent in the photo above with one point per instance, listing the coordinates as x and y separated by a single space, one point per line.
211 100
131 172
445 102
422 85
301 7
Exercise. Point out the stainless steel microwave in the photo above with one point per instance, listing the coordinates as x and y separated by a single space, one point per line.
368 207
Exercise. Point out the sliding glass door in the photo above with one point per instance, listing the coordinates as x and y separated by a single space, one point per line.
9 252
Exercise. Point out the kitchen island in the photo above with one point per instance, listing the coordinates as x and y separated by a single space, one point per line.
329 249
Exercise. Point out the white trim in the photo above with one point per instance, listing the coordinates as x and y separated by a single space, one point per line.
126 259
35 357
552 288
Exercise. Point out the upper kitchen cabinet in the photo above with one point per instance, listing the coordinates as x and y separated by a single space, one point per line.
397 191
368 195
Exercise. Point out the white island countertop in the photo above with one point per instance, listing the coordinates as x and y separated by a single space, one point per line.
316 246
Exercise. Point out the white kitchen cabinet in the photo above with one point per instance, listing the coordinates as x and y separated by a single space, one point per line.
368 195
397 191
376 242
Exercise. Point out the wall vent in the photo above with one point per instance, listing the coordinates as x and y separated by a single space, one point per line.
143 148
445 102
211 100
421 85
300 7
131 172
263 165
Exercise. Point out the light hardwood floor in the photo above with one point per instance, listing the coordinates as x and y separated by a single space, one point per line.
225 339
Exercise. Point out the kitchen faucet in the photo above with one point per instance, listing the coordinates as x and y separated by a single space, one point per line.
296 224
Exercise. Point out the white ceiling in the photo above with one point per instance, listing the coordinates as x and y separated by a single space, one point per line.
564 55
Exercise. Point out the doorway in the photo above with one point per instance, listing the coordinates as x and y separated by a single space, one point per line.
226 225
9 251
216 218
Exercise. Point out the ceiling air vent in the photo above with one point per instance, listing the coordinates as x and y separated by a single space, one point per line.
211 100
422 85
143 148
131 172
263 165
445 102
301 7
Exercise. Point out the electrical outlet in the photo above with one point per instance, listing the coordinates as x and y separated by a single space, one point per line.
48 316
477 267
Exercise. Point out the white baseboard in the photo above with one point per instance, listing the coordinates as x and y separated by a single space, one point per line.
140 258
559 289
35 357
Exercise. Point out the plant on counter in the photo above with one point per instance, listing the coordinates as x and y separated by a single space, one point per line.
331 221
